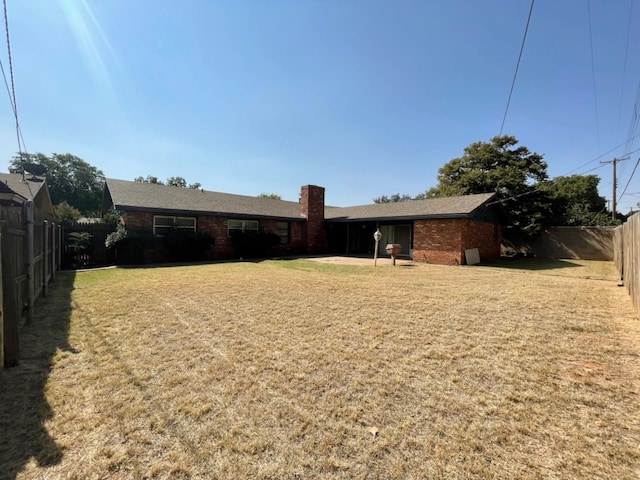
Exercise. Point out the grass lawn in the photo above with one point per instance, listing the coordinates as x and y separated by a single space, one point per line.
299 370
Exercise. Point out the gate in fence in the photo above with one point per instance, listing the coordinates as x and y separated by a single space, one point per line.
84 247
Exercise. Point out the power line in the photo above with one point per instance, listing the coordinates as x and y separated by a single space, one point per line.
602 155
13 87
593 74
614 162
635 119
629 181
515 75
624 67
13 108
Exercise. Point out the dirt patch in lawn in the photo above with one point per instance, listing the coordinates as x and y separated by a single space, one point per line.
299 369
362 261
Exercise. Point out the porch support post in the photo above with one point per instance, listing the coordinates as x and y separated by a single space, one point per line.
348 227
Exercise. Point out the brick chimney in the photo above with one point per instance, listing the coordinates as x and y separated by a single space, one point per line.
312 208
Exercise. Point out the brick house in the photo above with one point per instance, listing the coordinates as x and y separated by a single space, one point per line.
434 231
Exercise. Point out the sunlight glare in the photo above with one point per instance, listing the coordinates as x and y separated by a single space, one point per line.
90 38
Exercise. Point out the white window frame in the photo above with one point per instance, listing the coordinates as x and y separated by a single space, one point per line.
167 223
244 226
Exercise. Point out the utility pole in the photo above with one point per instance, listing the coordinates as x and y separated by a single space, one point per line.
614 162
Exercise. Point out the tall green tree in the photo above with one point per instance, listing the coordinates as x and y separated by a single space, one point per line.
576 201
273 196
148 179
511 171
70 179
172 181
396 197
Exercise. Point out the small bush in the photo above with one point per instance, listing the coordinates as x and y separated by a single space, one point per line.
255 244
132 247
187 246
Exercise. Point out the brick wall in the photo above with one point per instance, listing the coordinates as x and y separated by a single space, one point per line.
138 220
218 227
438 241
444 241
486 237
312 207
222 247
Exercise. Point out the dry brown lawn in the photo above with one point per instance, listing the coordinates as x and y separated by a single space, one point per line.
301 370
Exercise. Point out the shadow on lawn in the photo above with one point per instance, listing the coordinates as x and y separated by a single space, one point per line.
23 404
532 263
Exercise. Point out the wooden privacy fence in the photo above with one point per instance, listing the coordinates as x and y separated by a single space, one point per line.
627 256
29 258
83 245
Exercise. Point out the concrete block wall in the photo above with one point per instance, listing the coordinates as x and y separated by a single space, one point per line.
585 243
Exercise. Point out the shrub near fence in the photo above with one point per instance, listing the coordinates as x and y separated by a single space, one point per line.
626 256
84 245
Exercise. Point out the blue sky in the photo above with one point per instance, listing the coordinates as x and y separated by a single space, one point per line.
363 97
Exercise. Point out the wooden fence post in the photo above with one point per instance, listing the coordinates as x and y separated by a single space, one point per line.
60 233
54 252
30 261
45 258
10 267
1 310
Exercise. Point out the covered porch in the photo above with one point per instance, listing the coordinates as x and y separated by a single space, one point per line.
356 238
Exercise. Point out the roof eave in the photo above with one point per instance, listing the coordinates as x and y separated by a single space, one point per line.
201 213
398 217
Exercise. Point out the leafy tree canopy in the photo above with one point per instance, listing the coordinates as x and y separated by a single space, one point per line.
511 171
172 181
148 179
66 213
69 178
496 166
576 201
396 197
273 196
519 177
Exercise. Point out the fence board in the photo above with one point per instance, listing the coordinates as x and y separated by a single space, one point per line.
94 253
24 273
626 256
14 280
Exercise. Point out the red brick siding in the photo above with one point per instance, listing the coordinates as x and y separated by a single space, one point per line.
444 241
297 235
438 241
486 237
312 207
138 220
222 247
218 228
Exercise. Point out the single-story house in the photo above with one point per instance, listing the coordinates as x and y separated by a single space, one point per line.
435 230
16 189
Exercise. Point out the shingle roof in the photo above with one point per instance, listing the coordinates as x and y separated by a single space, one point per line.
162 198
127 195
26 188
446 207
